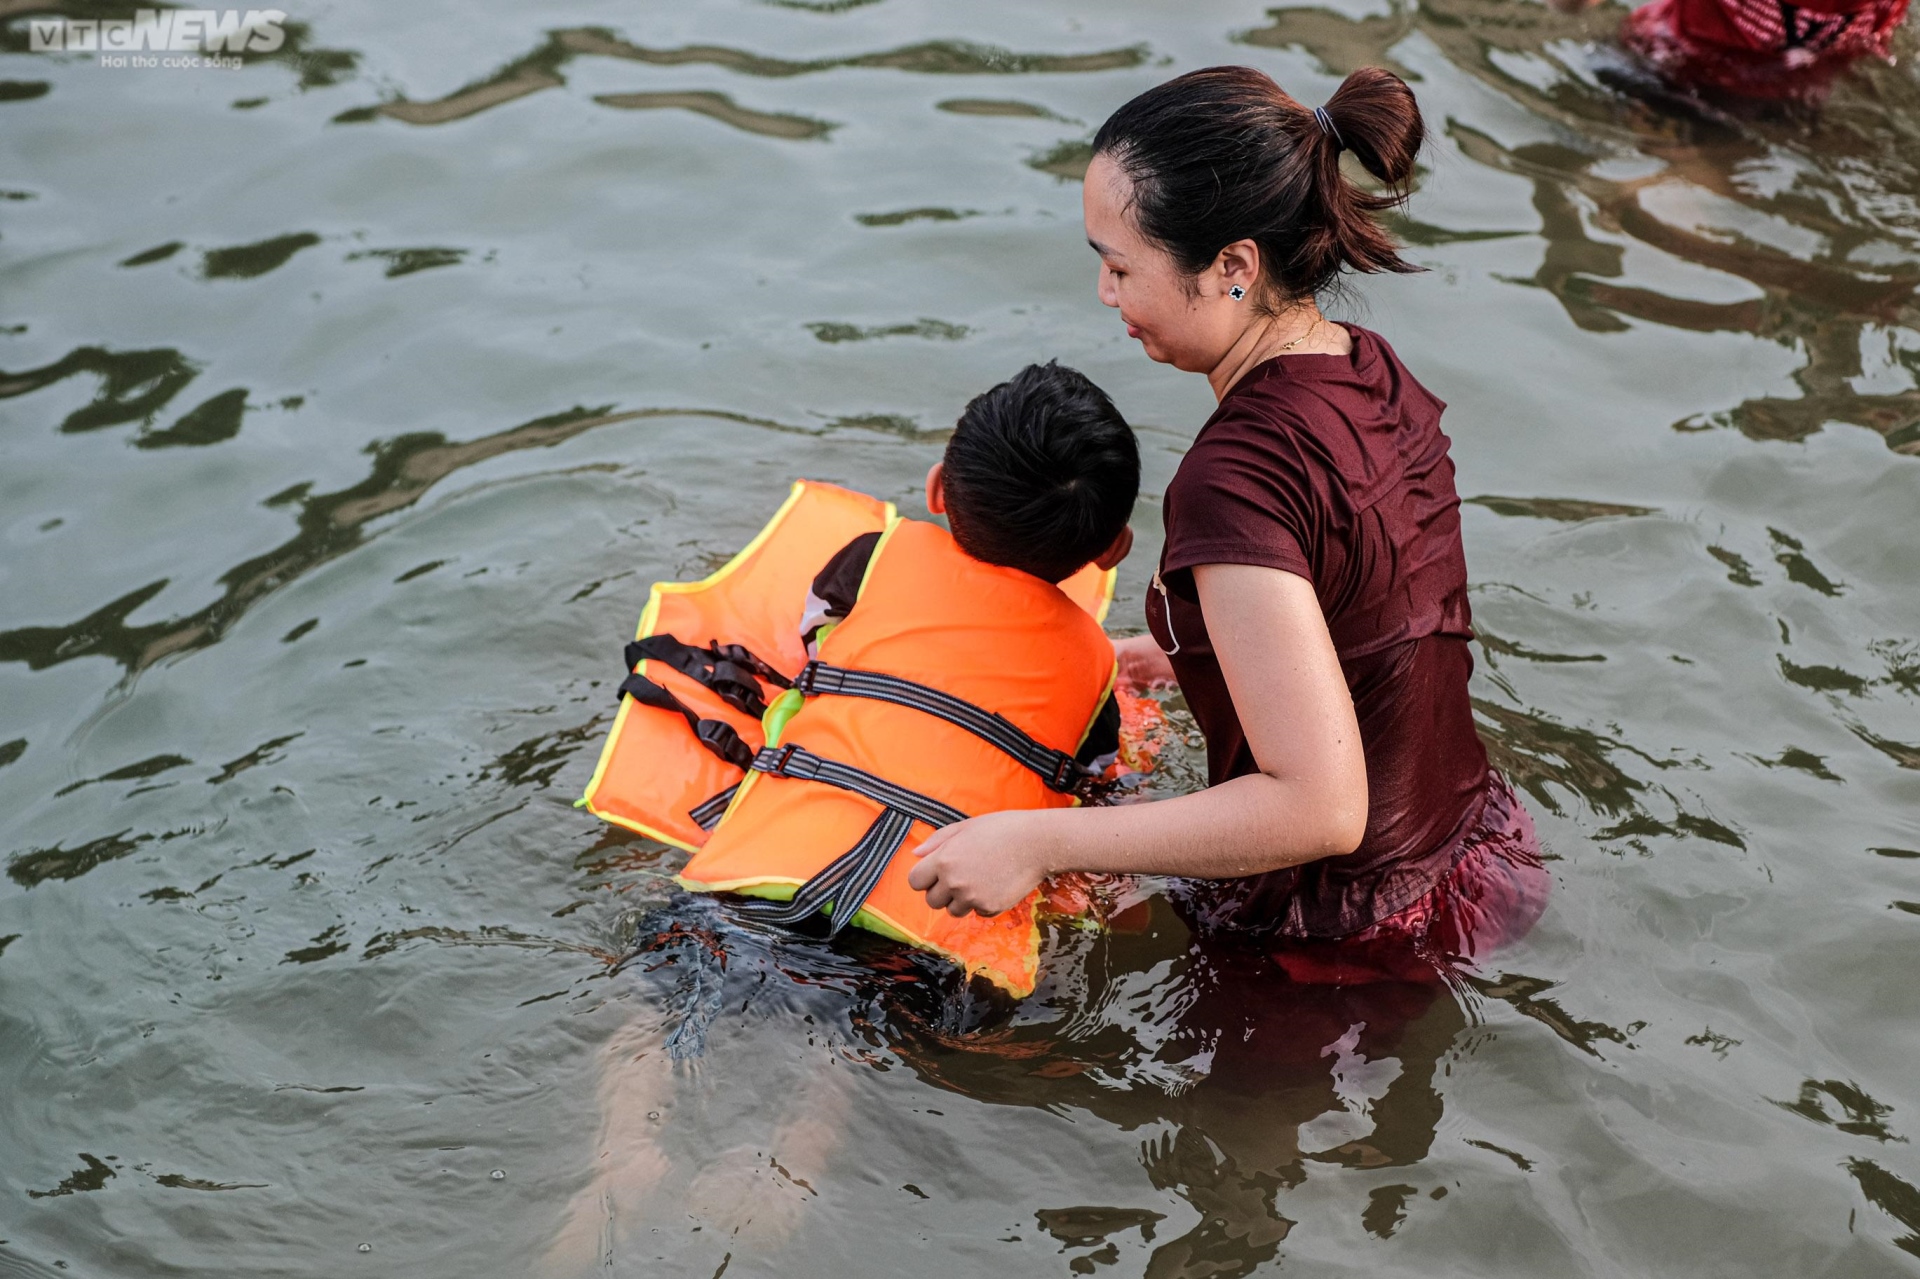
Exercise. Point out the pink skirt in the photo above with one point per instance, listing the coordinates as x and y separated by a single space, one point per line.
1493 895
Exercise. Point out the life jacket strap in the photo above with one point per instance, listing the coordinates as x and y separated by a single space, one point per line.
730 670
708 812
846 883
803 765
1060 771
716 735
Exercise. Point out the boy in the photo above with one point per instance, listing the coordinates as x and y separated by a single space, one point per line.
1038 481
1038 475
950 675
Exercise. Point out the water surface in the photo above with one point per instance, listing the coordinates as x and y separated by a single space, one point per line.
350 401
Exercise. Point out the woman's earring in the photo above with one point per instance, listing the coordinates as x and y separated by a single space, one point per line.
1236 293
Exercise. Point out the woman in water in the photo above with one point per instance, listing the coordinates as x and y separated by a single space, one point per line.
1757 48
1311 597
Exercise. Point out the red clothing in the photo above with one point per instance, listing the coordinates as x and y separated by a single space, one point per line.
1494 893
1334 468
1761 48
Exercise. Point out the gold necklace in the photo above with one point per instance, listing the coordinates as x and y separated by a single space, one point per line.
1318 320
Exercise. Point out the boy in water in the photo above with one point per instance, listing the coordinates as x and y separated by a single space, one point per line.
1040 475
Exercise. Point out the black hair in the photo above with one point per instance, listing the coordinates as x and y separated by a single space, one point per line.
1224 154
1041 473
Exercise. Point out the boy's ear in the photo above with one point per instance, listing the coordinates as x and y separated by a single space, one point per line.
937 488
1116 551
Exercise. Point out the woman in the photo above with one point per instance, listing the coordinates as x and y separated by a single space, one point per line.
1311 596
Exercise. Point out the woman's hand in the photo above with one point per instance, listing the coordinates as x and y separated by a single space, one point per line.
984 865
1308 801
1143 664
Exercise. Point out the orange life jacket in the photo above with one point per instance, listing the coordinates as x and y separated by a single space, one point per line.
654 774
955 688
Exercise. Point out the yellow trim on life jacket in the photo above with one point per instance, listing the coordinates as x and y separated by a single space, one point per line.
648 615
834 515
866 574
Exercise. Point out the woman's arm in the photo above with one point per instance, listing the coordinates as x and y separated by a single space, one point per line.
1308 801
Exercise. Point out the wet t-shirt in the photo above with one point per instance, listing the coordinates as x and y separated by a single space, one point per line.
1334 468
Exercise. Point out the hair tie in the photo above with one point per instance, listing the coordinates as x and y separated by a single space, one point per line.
1325 121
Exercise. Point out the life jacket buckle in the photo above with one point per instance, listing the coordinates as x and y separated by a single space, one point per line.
719 737
1068 775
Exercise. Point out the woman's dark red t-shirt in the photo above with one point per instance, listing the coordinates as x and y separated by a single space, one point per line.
1334 468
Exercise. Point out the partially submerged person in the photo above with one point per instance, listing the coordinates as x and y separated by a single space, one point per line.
928 676
1311 598
1766 49
1037 482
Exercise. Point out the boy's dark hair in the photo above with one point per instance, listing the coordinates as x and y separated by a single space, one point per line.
1041 473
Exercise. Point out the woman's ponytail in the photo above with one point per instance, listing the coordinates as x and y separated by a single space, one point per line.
1224 154
1378 120
1373 115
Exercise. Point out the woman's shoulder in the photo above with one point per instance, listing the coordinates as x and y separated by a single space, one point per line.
1315 424
1368 391
1268 403
1271 418
1387 380
1254 450
1261 429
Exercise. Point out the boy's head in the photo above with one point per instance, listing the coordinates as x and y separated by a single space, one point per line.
1040 475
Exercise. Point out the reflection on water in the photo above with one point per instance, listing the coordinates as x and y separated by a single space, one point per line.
305 950
996 106
330 524
902 216
1818 213
827 331
1253 1078
542 69
718 106
243 262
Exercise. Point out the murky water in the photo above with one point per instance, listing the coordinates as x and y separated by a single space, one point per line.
352 399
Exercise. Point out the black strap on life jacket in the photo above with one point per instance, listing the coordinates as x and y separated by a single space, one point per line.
708 812
730 670
803 765
1059 770
716 735
846 883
